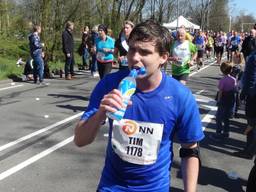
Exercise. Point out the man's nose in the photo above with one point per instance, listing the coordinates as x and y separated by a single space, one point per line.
136 56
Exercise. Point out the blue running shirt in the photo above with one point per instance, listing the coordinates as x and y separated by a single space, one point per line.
139 153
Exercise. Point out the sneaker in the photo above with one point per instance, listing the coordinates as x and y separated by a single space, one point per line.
68 77
95 74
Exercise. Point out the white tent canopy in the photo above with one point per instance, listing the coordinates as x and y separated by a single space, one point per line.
179 22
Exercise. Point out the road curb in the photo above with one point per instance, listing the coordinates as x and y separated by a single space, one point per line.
6 81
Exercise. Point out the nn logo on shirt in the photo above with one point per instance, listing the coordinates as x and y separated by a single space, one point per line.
129 127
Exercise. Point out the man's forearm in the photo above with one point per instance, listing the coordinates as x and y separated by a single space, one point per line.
190 171
86 131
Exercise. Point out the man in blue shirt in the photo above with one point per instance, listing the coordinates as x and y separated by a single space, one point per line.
139 152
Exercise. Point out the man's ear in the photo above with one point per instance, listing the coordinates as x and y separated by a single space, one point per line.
164 58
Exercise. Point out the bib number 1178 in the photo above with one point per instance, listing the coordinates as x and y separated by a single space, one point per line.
134 151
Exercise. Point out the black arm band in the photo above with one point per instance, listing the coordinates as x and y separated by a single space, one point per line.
194 152
184 152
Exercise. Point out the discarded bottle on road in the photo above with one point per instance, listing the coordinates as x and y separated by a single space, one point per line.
127 87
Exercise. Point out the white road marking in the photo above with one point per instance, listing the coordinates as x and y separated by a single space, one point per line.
11 87
3 147
211 105
35 158
206 66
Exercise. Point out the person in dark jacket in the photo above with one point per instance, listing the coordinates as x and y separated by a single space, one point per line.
36 46
94 65
248 94
86 45
68 50
249 44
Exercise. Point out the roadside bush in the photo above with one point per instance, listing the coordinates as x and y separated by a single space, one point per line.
9 69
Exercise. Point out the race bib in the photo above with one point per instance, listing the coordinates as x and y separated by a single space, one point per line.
234 43
124 61
200 47
100 56
182 61
136 142
182 52
219 44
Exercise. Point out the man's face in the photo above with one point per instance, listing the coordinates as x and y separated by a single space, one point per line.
71 27
144 54
181 35
253 33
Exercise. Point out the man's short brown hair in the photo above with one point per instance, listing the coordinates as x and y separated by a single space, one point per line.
152 31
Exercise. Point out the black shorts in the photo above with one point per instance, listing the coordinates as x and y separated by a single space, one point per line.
219 50
234 48
183 77
200 53
208 48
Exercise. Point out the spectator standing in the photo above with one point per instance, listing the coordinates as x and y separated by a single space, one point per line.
68 50
94 64
237 72
249 94
104 51
249 44
36 53
147 169
121 45
86 45
225 101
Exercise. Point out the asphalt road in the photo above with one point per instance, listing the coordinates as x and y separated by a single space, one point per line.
37 152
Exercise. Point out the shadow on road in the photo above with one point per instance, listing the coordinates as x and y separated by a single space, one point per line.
213 177
75 97
219 178
73 108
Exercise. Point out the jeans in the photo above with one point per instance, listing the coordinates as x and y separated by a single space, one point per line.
94 66
69 65
85 57
223 117
38 68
